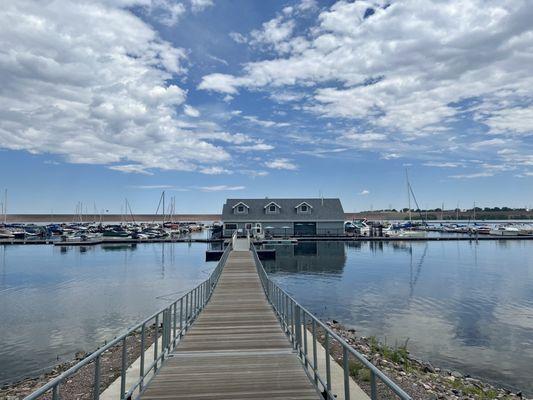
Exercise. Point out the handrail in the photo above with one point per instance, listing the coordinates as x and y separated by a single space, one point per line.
171 333
293 318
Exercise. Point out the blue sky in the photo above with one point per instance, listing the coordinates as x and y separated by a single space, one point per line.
210 99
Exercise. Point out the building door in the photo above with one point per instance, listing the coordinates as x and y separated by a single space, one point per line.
304 228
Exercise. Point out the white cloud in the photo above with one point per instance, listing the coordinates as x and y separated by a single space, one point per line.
254 173
191 111
364 192
89 81
255 147
273 32
131 169
168 12
265 123
238 37
514 120
214 171
473 175
408 71
151 187
221 188
281 163
200 5
443 164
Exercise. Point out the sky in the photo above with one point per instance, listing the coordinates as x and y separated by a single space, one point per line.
104 100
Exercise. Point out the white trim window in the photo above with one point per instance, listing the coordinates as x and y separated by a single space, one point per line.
272 208
240 208
304 208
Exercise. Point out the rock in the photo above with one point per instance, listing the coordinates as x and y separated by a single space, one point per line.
427 367
456 374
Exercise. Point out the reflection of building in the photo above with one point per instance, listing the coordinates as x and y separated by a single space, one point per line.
312 257
284 217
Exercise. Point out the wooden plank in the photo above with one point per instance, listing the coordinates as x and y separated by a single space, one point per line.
235 349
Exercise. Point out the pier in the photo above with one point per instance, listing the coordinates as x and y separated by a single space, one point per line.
236 348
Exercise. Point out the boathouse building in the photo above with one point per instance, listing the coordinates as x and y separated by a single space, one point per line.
284 217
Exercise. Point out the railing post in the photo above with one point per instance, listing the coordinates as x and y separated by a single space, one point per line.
292 324
304 331
156 340
123 369
373 390
96 385
141 369
315 358
297 325
328 366
181 317
55 392
186 310
346 368
174 323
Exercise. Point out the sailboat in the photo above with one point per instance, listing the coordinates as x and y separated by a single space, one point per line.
405 230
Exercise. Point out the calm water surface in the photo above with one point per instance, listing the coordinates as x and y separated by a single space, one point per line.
55 301
462 305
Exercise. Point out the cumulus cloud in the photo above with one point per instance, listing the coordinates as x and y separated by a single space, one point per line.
406 70
281 163
200 5
89 81
191 111
364 192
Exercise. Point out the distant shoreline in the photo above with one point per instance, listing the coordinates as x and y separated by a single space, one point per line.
370 215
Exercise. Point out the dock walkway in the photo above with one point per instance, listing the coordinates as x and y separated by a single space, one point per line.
236 348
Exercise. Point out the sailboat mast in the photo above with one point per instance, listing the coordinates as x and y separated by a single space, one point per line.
5 207
164 207
408 194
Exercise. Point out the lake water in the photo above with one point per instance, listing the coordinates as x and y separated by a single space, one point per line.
55 301
463 305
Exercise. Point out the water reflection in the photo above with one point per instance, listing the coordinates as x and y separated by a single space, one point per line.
308 257
463 305
55 301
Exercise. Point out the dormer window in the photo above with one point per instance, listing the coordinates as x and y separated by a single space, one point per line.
304 208
240 208
272 208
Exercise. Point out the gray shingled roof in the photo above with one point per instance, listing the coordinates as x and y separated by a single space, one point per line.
323 210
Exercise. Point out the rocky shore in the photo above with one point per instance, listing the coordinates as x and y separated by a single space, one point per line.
420 379
80 385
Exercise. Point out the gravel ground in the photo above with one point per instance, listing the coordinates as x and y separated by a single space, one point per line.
419 379
80 385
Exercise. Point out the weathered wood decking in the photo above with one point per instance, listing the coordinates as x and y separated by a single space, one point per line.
235 349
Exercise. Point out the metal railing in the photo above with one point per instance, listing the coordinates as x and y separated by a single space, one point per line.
166 328
296 321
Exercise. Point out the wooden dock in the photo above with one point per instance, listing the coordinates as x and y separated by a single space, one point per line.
235 349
